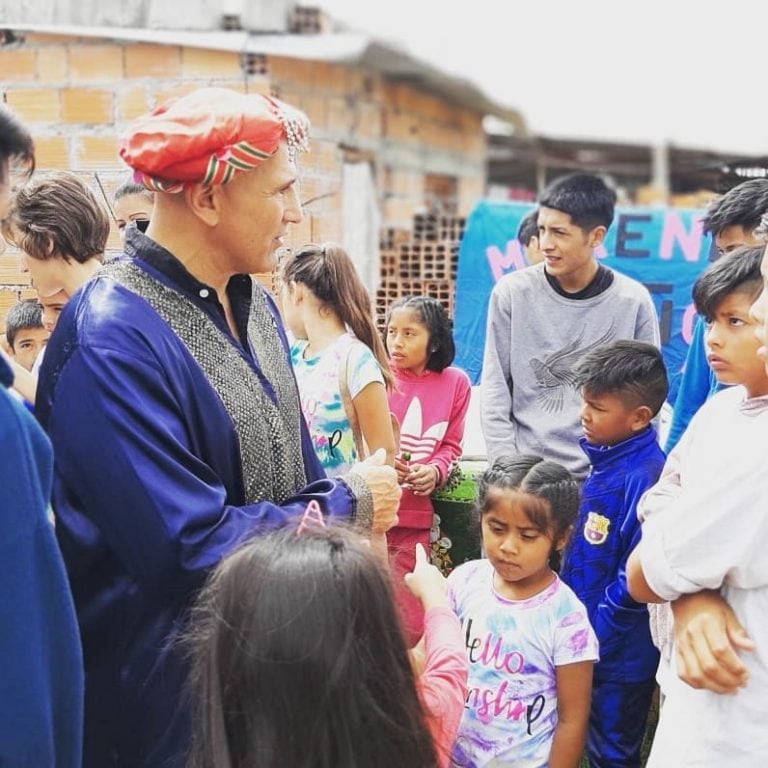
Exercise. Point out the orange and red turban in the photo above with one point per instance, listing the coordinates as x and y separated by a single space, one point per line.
209 135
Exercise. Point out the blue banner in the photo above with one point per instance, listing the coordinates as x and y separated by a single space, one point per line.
663 248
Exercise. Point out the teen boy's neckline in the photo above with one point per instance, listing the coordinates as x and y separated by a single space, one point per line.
600 283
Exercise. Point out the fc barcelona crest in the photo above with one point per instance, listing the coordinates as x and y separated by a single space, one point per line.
596 528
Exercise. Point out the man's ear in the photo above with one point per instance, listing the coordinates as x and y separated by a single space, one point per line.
597 235
204 201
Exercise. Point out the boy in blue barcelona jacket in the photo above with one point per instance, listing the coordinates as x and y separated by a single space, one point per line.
623 386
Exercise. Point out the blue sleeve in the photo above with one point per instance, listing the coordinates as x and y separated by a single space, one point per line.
127 454
695 386
41 685
616 599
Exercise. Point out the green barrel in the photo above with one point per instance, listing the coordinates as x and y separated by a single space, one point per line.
451 540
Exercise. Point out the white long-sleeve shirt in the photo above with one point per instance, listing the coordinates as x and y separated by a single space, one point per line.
706 527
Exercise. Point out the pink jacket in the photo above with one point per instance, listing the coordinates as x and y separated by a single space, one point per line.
443 683
431 409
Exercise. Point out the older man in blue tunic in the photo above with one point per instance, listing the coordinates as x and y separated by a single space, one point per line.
168 394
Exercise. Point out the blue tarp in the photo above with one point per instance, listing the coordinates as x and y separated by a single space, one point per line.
663 248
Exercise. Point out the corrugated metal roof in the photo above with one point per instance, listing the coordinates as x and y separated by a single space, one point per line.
347 48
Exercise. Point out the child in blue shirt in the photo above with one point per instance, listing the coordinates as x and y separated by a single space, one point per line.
623 386
732 221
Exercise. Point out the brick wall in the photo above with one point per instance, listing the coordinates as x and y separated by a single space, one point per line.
77 95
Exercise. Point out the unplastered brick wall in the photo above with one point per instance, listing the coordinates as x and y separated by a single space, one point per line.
77 95
429 158
408 133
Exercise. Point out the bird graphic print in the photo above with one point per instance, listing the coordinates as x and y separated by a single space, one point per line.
554 375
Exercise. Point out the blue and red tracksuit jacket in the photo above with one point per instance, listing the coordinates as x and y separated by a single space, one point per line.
605 533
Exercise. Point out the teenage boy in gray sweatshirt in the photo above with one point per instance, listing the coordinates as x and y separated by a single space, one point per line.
542 319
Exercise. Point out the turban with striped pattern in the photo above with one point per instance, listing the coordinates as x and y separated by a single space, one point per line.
209 135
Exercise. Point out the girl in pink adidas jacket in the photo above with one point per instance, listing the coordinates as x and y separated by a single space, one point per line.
430 399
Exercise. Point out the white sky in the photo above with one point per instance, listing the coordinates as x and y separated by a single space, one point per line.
694 74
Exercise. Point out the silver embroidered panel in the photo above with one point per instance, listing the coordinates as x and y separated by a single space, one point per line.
269 436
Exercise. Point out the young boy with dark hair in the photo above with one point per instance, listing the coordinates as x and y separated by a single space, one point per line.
623 385
25 333
705 527
733 221
542 319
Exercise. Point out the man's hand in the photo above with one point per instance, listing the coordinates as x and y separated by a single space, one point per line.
707 638
382 483
426 582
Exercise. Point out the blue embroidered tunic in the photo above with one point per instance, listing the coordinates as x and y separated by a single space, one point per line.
151 486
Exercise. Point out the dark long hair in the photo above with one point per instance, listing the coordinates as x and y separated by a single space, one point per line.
330 274
441 348
299 661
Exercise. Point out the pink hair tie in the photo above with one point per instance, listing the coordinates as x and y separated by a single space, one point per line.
312 514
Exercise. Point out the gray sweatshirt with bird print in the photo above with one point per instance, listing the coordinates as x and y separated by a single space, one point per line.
534 337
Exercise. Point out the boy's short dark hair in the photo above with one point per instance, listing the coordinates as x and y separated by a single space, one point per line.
25 314
58 215
741 206
529 227
737 271
632 370
587 199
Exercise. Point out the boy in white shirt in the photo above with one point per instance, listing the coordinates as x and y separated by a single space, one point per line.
706 527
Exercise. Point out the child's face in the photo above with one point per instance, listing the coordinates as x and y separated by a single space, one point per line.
607 420
52 306
28 344
132 208
732 345
57 274
759 312
407 340
518 551
734 236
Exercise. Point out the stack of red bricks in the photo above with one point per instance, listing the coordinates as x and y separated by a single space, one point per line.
421 262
